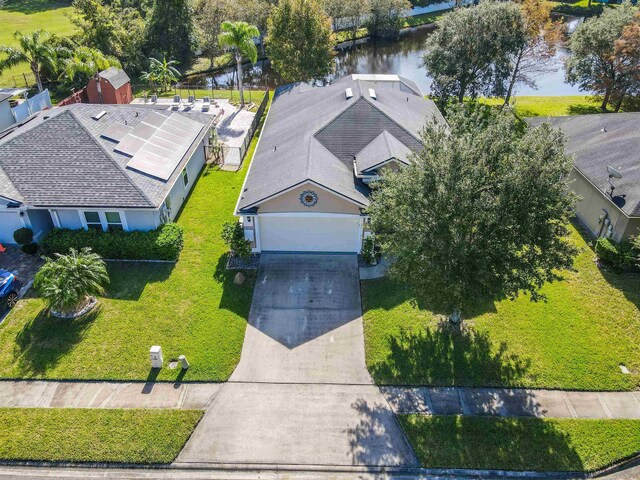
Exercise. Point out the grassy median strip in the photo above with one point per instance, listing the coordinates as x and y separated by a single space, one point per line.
92 435
576 445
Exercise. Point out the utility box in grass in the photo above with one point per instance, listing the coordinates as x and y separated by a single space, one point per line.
155 353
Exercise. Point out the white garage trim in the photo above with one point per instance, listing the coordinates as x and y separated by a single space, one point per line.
309 232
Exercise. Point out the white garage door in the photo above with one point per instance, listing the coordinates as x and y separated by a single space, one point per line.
309 233
9 223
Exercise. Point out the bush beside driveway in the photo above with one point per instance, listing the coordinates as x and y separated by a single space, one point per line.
576 339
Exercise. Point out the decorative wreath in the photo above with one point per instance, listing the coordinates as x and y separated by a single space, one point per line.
308 198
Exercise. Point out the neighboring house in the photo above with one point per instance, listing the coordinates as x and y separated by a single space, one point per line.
307 187
99 166
24 107
596 143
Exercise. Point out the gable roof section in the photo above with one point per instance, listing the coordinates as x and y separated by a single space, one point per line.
311 133
115 76
58 163
383 148
601 140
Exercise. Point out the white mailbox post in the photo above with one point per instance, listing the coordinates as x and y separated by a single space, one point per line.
184 362
155 353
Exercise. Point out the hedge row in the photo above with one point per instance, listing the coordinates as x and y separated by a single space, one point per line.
619 255
164 243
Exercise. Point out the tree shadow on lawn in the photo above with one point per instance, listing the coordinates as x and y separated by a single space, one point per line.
235 298
491 443
627 282
43 341
28 7
448 355
129 279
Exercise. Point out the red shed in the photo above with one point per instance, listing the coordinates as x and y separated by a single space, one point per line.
111 86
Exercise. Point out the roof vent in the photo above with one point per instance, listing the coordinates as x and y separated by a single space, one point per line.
349 93
99 115
372 93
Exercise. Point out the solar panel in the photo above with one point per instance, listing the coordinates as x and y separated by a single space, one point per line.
154 119
116 132
159 143
129 145
144 131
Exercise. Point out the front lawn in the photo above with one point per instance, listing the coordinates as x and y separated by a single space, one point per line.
520 443
192 308
576 339
27 16
93 435
555 106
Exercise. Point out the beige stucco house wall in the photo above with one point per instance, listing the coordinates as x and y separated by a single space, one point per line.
594 204
327 202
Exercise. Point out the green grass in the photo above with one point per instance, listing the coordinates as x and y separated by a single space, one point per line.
539 106
576 339
253 96
192 308
576 445
27 16
93 435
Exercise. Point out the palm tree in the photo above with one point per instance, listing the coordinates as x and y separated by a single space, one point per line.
33 49
87 62
161 72
67 281
238 37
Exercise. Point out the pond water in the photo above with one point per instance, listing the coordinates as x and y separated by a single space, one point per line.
401 57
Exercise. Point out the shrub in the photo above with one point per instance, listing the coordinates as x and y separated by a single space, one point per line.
233 235
29 248
68 280
369 250
22 236
618 255
164 243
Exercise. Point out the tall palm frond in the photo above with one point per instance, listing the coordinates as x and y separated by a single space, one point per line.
238 37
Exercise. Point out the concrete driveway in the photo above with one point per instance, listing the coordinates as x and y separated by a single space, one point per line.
305 324
301 394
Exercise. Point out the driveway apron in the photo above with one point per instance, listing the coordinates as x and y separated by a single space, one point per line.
301 394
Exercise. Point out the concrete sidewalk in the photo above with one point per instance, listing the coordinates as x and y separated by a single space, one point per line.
107 394
426 400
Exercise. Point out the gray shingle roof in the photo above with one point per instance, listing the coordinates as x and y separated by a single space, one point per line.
312 133
59 159
383 148
115 76
601 140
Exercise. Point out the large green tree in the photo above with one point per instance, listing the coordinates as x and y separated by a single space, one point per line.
239 38
482 212
170 31
595 64
300 41
385 17
83 63
471 53
34 49
114 29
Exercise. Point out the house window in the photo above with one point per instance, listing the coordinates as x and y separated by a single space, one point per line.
185 177
114 222
93 220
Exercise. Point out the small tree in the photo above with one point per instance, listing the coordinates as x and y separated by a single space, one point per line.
595 64
386 17
481 212
68 281
238 36
471 53
300 41
161 73
627 51
84 62
233 235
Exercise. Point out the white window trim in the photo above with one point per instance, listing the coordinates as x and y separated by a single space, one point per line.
103 218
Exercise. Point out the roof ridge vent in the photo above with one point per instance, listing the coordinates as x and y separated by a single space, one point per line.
348 93
372 94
